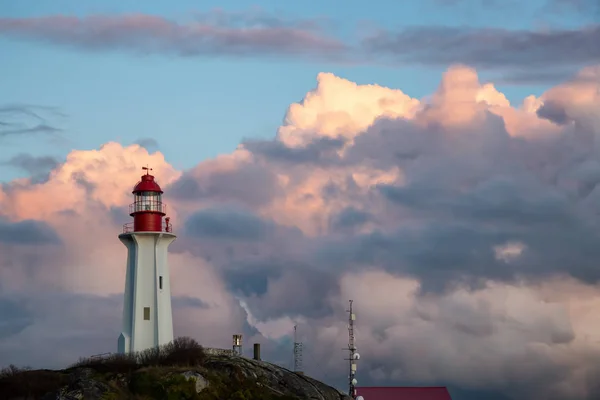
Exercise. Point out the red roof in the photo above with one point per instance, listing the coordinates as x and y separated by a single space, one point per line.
147 184
403 393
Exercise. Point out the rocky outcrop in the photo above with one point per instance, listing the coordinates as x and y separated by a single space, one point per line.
275 378
200 381
221 376
82 385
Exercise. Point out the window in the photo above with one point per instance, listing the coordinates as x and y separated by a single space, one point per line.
147 313
160 282
148 201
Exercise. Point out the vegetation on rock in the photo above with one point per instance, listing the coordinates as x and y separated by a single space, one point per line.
179 370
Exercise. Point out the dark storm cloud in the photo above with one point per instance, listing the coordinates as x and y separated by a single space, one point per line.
444 255
470 193
27 232
253 185
499 200
349 217
299 290
249 279
232 224
14 318
191 302
37 167
83 181
554 112
551 73
489 48
320 150
80 325
141 33
471 199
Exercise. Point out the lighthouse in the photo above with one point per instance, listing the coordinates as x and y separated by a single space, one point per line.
147 315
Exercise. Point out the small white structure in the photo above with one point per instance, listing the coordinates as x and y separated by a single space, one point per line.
147 314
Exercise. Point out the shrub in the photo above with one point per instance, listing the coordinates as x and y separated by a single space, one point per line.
12 370
117 363
151 356
182 351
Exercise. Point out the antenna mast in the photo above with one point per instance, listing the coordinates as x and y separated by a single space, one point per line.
297 352
353 355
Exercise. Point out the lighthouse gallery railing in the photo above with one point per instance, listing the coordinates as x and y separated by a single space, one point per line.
128 227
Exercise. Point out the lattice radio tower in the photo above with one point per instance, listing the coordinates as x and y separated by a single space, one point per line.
297 352
353 355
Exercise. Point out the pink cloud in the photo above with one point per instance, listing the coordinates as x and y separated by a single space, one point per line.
154 34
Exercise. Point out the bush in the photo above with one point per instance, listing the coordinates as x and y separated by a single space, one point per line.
12 370
182 351
117 363
150 357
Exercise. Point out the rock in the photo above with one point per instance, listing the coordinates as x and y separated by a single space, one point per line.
82 385
278 379
233 376
201 382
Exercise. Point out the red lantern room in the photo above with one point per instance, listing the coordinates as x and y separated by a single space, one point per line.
147 209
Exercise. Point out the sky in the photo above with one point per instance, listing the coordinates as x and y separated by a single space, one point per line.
436 161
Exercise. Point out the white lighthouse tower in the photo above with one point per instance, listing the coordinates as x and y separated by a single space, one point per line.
147 316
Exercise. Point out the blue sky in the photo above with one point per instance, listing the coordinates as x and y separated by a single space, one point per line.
198 107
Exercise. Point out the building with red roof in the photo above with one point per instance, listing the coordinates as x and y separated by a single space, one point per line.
403 393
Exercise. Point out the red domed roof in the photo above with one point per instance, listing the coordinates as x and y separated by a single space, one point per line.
147 184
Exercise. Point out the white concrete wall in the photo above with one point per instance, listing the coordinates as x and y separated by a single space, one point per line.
163 306
146 263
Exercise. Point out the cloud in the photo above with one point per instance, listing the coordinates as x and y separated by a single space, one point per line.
555 51
23 119
228 224
559 7
583 7
228 178
15 318
486 4
148 143
463 226
517 56
211 34
37 167
27 232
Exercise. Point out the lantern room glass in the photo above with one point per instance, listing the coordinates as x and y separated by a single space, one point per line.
148 201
